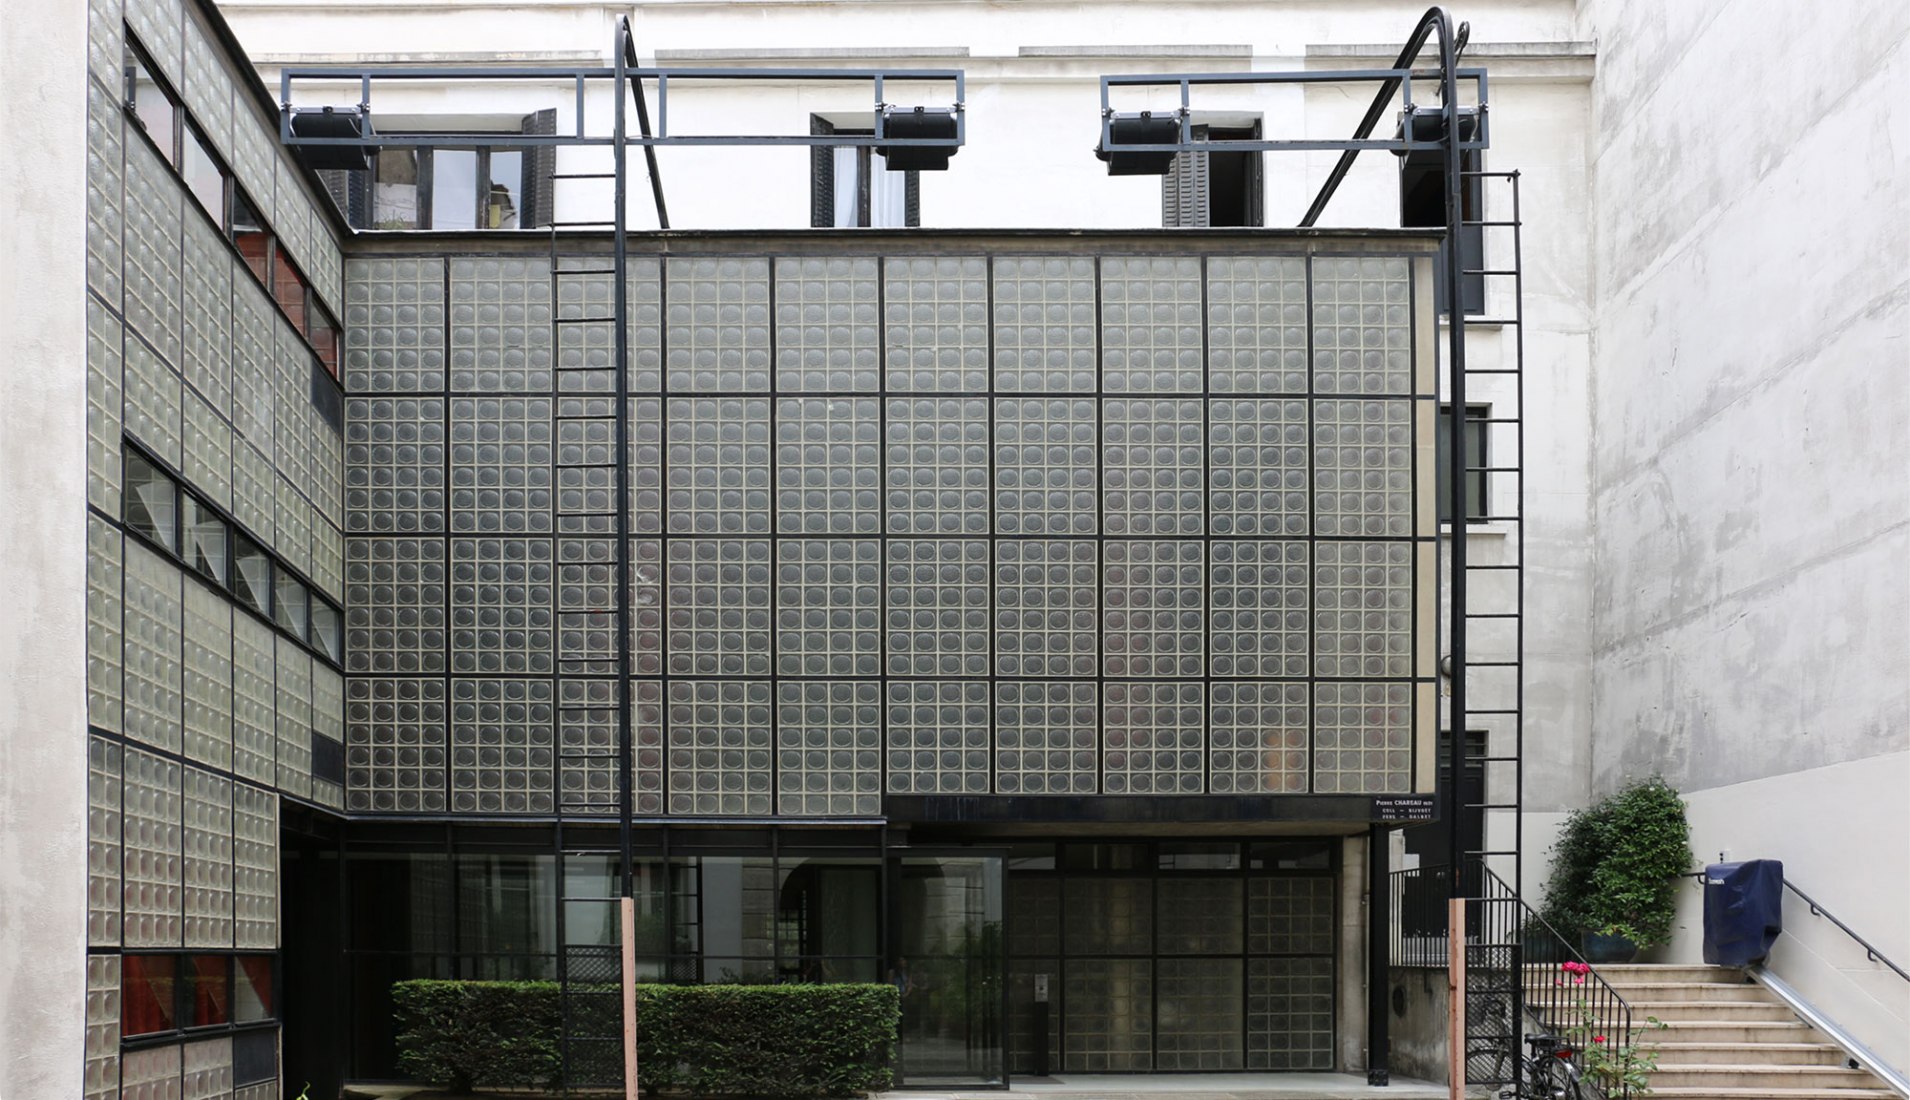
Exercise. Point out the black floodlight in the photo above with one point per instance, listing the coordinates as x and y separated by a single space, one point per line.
1422 172
1142 129
350 124
903 123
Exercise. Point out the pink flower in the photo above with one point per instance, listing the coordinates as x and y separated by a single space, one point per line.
1595 1038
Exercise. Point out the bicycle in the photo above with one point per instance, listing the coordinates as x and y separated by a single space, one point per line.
1547 1073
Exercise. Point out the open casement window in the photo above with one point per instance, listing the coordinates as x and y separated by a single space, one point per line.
1214 189
850 186
458 185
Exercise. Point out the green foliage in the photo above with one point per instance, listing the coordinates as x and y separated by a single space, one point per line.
1615 865
784 1042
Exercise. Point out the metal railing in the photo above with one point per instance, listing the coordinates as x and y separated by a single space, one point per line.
1870 949
1521 974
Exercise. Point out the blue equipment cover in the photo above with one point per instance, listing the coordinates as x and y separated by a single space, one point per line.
1743 911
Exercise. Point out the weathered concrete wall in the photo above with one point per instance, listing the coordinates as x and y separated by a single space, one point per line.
1752 469
1417 1003
43 540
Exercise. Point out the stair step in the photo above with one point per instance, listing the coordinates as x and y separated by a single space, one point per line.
1709 1010
1736 1031
1692 991
1749 1054
1631 973
1707 1092
1783 1077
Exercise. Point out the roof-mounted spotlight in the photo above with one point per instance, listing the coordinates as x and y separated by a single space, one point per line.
350 126
1145 128
918 123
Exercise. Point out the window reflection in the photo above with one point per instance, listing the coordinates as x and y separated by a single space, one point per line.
251 574
252 989
202 175
151 501
454 188
150 103
290 604
208 997
147 993
205 539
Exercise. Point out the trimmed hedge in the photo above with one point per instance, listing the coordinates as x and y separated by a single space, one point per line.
789 1042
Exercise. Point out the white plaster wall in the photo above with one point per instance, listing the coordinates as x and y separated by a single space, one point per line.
1750 393
1843 832
43 540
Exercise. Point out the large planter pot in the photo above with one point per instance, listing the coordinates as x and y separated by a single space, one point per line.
1603 949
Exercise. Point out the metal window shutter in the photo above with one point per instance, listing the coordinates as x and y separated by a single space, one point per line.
540 163
1184 188
822 178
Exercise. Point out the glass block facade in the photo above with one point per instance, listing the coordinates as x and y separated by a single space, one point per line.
1066 522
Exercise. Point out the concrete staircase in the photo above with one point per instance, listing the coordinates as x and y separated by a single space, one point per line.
1728 1037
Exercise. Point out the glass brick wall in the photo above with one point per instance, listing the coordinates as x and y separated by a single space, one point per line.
918 517
201 710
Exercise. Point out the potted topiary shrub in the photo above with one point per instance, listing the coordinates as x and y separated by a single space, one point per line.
1615 868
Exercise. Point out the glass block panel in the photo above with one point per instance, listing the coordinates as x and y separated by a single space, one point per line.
936 323
827 325
587 746
394 325
828 466
1047 464
154 855
255 863
587 601
1122 911
1200 1014
105 618
208 847
1258 461
1109 1022
254 491
1363 468
395 591
208 313
1151 333
1363 622
645 429
647 608
938 463
828 607
503 738
829 748
254 699
501 465
208 1069
208 451
394 464
153 250
1045 607
151 1073
102 1027
1257 325
718 324
719 607
1260 592
208 677
395 742
1153 467
500 325
154 614
587 342
1290 1014
938 607
1202 916
1362 738
1034 917
503 606
719 747
1021 1012
1290 915
1260 733
254 365
294 771
104 405
103 844
105 182
938 734
1153 739
1362 325
1046 738
153 398
718 452
1044 324
1152 615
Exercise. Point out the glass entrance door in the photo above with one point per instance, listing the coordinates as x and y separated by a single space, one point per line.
946 959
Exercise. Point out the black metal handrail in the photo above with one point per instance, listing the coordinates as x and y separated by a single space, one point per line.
1870 949
1520 971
